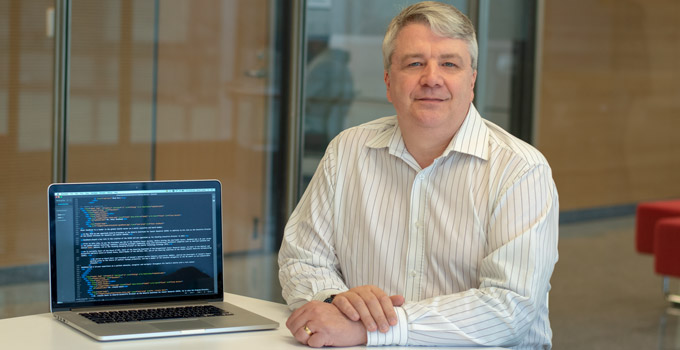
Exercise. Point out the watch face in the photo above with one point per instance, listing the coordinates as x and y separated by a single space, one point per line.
329 299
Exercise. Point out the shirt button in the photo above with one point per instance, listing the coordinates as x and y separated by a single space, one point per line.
414 273
421 177
419 224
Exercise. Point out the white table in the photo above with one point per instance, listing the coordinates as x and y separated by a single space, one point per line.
44 332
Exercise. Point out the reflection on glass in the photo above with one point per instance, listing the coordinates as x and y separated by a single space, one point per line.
329 90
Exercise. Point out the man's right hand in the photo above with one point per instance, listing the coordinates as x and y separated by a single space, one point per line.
371 305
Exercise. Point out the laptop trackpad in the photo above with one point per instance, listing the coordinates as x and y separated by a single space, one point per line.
179 325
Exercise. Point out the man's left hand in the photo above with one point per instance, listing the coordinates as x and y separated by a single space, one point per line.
320 324
371 305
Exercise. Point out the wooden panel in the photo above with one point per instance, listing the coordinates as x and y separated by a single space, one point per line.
609 115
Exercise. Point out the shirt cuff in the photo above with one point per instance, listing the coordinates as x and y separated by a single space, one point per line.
397 335
325 294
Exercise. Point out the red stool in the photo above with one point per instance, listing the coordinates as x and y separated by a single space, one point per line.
648 213
667 252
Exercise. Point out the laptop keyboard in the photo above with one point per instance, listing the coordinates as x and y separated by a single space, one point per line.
155 314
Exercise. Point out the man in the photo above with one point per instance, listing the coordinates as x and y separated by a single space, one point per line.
433 227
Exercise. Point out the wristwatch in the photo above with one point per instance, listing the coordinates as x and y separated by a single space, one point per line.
329 299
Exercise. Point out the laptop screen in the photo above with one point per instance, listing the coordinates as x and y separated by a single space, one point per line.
113 243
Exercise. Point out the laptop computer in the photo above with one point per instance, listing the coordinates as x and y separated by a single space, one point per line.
135 260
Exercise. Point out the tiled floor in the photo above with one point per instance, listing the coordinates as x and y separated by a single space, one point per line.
604 296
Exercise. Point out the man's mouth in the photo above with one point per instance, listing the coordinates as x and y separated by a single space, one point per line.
430 99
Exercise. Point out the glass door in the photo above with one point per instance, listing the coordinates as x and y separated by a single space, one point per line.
216 111
175 90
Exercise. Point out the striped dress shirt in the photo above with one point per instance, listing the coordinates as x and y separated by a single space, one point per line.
470 241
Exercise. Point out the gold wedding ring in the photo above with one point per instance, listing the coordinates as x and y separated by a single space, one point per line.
309 331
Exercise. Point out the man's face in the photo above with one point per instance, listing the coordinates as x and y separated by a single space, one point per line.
431 81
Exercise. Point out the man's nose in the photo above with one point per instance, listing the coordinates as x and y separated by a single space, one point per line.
431 76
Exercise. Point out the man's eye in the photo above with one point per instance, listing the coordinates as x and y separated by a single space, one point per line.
415 64
449 64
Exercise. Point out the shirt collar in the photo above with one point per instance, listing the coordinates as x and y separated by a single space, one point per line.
389 137
472 138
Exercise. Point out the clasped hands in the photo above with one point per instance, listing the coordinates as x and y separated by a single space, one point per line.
346 320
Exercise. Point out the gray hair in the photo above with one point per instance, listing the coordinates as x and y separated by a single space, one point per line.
443 19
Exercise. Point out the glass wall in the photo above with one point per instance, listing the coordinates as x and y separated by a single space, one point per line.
26 70
158 90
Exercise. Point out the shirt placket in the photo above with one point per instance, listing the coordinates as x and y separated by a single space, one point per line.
415 257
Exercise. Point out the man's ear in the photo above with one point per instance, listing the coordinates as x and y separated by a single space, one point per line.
387 85
472 86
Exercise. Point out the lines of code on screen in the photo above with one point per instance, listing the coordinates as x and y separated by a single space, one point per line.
143 246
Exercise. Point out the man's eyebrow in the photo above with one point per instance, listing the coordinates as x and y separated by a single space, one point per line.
411 56
451 55
445 56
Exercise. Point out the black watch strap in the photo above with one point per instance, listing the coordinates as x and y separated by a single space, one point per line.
329 299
